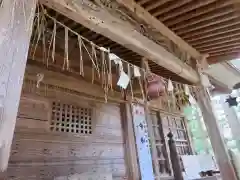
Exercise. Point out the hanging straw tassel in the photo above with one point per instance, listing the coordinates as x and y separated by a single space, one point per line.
54 39
94 57
109 70
51 44
104 75
81 70
39 31
129 74
66 60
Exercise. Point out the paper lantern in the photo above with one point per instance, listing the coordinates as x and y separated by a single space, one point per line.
155 86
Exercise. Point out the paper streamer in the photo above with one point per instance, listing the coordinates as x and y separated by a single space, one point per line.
123 80
170 86
136 71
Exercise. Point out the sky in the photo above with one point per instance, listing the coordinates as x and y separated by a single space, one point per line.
236 63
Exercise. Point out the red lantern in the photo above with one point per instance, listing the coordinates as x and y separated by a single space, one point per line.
155 86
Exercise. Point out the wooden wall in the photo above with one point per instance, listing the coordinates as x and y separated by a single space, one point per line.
38 153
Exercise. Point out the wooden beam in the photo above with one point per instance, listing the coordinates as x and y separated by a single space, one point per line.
198 12
103 22
159 26
185 9
16 24
201 18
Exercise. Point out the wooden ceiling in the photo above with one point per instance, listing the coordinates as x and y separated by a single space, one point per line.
210 26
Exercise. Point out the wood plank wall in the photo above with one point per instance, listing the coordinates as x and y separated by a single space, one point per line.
37 153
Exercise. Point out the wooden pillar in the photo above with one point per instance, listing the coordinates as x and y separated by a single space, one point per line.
129 142
218 145
176 166
16 19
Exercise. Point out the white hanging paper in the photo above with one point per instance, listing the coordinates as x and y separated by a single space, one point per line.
192 99
123 80
186 89
170 86
205 80
116 60
136 71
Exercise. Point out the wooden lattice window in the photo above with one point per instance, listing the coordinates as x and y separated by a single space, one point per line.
177 126
160 146
71 118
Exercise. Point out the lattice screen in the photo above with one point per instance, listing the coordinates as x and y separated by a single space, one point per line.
177 126
71 119
162 155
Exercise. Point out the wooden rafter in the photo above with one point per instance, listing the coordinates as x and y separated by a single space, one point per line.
169 8
198 12
205 17
212 28
227 46
184 9
226 52
215 33
156 4
208 23
217 38
221 58
234 38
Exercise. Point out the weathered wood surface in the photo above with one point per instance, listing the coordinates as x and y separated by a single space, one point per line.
15 31
219 148
144 15
129 142
99 19
38 153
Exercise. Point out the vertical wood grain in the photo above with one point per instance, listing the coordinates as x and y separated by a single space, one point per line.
129 142
15 31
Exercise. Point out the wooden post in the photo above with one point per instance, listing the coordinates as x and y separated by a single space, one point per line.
16 19
176 166
219 148
129 142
